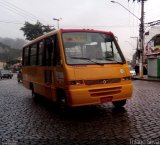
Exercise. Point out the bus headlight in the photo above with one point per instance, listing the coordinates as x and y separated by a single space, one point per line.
126 78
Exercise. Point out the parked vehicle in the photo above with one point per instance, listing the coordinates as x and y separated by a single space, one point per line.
133 73
11 74
6 74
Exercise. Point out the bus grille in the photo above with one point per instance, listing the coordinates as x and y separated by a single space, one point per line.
105 91
104 81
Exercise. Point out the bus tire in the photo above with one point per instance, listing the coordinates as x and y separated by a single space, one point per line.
120 103
61 101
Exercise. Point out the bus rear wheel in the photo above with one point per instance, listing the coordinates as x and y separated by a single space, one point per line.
34 94
120 103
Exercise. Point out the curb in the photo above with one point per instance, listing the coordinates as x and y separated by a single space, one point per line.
146 79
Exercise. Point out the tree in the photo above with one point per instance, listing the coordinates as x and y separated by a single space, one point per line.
32 31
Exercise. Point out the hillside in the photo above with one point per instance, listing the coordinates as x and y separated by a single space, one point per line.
7 53
13 43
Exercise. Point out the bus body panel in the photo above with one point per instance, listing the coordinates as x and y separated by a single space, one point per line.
36 79
102 72
99 82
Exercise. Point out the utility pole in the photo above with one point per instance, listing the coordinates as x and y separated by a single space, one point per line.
141 32
141 35
141 39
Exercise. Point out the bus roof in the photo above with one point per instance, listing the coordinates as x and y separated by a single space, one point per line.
65 30
86 30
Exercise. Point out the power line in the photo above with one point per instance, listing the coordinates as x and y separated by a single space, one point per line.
153 23
113 26
20 23
14 11
24 11
11 22
19 11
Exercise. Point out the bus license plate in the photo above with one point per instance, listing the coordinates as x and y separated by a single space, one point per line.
106 99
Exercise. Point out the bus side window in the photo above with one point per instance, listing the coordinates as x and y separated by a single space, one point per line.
33 55
111 51
56 49
25 56
49 50
40 53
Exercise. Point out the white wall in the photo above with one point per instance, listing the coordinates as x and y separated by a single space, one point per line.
2 64
152 32
152 67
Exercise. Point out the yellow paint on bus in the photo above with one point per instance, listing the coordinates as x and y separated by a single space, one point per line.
77 67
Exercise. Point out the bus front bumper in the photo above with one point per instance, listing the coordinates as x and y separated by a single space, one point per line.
98 95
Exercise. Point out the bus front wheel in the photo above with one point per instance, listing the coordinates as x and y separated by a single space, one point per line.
120 103
61 101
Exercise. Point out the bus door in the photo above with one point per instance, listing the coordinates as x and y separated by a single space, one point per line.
51 60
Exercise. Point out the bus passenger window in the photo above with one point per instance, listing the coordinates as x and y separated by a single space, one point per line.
56 56
40 53
26 56
33 54
49 51
111 52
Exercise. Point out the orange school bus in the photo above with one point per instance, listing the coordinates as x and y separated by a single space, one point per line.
77 67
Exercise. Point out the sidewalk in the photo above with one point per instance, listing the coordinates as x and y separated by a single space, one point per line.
146 78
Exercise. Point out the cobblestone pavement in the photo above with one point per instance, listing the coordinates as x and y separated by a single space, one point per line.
24 120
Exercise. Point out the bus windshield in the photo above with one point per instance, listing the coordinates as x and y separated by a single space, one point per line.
91 48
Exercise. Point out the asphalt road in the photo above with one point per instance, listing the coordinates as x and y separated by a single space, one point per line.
24 120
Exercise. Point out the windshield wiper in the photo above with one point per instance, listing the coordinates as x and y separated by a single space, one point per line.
110 59
88 59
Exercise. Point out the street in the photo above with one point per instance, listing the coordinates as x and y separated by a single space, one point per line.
24 120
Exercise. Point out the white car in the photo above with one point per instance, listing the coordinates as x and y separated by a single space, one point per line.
133 73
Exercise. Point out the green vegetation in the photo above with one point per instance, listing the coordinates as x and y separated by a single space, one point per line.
7 53
32 31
